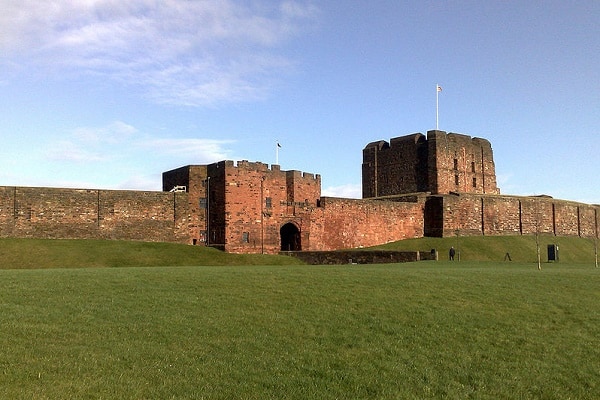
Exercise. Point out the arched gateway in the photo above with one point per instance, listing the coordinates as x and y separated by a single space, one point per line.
290 237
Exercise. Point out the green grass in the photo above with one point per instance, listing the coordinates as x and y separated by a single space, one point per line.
50 253
43 253
573 250
419 330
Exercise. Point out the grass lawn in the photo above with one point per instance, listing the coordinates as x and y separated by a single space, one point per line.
420 330
73 253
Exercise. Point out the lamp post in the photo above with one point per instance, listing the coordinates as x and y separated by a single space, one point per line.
262 215
208 211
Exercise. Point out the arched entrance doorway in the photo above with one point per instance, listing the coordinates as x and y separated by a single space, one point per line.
290 237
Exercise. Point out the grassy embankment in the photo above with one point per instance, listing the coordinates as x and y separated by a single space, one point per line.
39 253
572 250
44 253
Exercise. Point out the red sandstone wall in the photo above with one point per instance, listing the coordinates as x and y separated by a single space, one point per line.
193 177
348 223
470 214
537 215
397 167
85 213
258 201
462 215
501 215
589 220
459 163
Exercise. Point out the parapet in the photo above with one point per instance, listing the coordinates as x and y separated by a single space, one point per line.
302 175
380 145
408 139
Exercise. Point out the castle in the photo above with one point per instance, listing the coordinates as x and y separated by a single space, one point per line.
439 184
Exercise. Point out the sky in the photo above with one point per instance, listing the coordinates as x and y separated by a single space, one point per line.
108 94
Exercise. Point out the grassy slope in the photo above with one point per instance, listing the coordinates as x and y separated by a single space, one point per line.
493 248
40 253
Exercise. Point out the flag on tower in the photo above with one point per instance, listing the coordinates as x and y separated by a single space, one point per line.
277 147
437 93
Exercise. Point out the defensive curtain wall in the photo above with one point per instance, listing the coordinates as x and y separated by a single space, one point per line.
34 212
468 214
414 186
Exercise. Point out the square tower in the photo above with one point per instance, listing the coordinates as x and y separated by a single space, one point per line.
439 163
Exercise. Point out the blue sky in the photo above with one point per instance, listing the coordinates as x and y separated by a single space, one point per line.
111 93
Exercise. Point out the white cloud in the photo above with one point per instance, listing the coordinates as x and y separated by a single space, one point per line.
72 151
205 151
92 144
141 182
118 143
349 191
179 51
114 132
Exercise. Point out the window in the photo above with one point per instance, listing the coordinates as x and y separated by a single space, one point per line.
456 180
246 237
474 182
203 203
456 164
473 167
268 202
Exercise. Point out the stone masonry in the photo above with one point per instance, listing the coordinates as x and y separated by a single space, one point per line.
414 186
439 164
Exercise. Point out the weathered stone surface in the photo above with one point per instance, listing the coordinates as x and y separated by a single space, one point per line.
440 163
86 213
355 257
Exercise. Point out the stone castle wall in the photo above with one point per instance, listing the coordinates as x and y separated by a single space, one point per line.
397 167
31 212
192 179
350 223
460 163
472 215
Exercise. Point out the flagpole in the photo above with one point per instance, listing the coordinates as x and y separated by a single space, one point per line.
437 105
277 153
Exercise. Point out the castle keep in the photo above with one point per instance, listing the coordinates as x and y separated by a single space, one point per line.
439 184
439 164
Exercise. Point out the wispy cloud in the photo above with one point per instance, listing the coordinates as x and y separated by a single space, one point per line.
203 150
193 53
70 151
121 141
91 144
349 191
114 132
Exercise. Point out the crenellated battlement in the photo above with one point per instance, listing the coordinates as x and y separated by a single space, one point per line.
257 166
438 163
